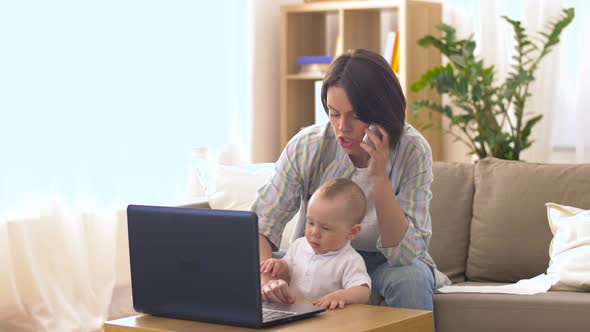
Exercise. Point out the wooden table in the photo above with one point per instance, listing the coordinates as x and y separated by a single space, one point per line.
352 318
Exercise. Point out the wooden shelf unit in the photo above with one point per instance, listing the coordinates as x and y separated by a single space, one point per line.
313 28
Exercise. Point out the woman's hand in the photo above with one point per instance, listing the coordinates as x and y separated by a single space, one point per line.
277 290
379 153
391 219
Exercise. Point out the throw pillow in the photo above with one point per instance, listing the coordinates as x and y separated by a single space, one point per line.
570 248
235 187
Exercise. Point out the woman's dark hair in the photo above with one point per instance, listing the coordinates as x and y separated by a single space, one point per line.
372 88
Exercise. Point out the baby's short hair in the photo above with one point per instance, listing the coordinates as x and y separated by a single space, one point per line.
354 195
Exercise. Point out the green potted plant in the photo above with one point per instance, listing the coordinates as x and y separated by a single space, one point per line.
490 116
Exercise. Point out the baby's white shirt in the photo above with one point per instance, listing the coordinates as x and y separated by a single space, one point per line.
313 275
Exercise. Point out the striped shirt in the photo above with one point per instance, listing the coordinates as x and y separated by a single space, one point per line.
313 156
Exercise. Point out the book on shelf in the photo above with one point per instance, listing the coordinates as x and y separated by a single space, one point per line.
338 49
391 50
320 114
314 64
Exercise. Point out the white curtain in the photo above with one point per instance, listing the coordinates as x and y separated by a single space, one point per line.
545 96
59 269
580 75
582 103
552 94
100 106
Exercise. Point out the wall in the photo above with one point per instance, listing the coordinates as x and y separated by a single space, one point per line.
265 79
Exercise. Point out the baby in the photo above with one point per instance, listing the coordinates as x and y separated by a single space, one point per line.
323 267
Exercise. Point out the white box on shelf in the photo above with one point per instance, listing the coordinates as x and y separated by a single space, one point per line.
320 114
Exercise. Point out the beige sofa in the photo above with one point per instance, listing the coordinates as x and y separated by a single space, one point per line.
490 227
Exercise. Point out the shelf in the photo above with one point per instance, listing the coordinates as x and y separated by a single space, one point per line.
344 5
312 77
315 28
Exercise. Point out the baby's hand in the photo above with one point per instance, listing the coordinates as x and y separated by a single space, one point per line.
334 300
274 266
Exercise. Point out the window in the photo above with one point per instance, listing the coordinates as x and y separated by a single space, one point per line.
102 101
565 132
559 89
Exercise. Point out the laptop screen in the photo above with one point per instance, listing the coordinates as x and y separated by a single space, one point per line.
196 264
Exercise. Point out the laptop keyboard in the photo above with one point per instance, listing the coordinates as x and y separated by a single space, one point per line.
271 314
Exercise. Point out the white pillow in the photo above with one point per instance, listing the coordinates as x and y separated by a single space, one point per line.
570 248
233 187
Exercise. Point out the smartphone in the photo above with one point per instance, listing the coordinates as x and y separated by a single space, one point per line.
376 131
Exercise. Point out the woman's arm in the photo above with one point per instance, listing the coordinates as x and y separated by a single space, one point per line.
277 202
281 197
390 216
403 219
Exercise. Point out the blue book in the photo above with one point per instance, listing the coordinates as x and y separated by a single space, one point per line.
314 59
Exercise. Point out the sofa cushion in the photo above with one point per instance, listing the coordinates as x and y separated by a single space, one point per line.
551 311
450 211
510 234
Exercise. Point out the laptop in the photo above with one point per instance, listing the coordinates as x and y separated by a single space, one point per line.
201 265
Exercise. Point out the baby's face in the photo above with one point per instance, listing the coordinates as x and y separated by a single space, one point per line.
328 225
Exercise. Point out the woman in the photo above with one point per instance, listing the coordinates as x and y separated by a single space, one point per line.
360 89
